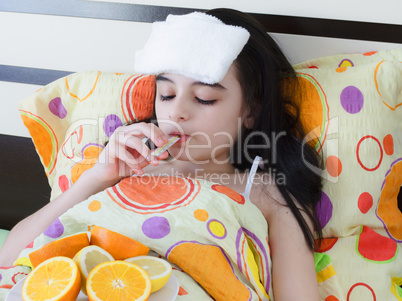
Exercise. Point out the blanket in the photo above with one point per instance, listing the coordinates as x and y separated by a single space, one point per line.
217 239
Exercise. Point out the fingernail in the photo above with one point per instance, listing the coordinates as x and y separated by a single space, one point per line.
139 172
161 154
162 139
152 159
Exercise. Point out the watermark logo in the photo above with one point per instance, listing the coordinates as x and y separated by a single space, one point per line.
127 145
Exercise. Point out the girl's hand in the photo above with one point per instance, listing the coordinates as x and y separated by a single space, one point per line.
126 154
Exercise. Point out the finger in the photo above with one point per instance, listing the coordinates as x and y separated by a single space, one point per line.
137 148
154 160
149 130
138 145
163 155
126 157
126 171
160 137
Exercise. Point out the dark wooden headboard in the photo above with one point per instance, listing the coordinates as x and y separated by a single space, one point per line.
23 183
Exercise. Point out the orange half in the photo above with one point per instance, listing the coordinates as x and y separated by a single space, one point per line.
118 280
56 279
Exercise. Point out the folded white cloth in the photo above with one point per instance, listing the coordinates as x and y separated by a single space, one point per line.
195 45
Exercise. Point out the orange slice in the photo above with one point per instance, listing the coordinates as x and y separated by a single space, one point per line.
67 246
118 280
54 279
119 246
44 138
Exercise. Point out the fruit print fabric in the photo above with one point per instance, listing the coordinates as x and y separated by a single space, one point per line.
361 148
353 114
228 245
71 119
9 276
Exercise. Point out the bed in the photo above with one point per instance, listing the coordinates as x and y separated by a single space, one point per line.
375 152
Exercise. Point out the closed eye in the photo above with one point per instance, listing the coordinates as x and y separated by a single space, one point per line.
199 100
206 102
169 97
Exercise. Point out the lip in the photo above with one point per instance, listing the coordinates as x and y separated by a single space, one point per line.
182 137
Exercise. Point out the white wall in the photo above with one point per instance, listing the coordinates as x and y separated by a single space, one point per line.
384 11
77 44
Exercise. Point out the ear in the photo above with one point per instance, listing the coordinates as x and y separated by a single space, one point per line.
250 116
249 122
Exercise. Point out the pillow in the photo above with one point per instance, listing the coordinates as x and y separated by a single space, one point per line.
70 119
354 109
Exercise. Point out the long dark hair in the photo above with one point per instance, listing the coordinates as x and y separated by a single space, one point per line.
261 69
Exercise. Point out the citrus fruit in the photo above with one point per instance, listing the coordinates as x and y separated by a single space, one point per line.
88 258
44 138
67 246
54 279
158 270
118 280
118 245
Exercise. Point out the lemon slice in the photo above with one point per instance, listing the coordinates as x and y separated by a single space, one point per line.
159 270
88 258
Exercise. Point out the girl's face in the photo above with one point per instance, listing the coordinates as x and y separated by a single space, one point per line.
207 117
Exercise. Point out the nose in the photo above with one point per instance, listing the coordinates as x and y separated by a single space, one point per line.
179 110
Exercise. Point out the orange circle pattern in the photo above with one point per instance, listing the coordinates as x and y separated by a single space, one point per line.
168 193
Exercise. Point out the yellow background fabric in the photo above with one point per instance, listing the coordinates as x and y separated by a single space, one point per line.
354 117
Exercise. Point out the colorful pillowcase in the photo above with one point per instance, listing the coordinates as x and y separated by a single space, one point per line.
71 119
354 108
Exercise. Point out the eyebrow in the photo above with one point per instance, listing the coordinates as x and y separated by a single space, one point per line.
162 78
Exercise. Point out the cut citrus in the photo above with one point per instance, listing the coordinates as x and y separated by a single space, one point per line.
158 270
88 258
67 246
55 279
118 245
118 280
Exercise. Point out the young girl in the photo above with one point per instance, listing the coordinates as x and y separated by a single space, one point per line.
225 118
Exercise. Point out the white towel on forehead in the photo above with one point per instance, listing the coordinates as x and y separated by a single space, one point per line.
195 45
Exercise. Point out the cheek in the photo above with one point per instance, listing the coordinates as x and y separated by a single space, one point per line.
227 129
161 109
229 119
157 108
161 115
